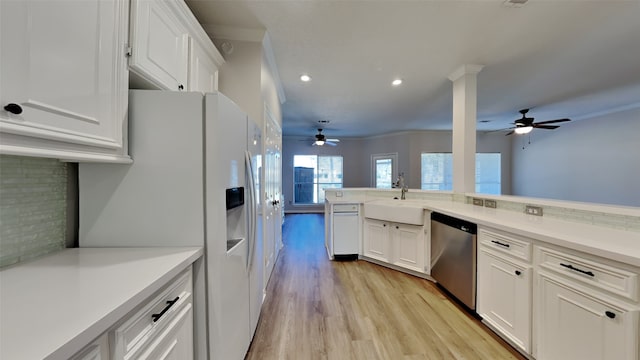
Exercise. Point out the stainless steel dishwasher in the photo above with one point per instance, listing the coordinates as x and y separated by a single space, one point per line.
453 256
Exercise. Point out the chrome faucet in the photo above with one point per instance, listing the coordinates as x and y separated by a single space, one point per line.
403 188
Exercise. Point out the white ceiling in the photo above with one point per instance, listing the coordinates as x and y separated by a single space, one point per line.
561 58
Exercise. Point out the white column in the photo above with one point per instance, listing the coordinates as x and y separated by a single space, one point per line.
464 127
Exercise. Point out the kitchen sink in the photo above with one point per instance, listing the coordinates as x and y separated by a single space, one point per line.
400 211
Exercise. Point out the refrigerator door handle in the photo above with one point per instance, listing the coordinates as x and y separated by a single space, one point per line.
252 208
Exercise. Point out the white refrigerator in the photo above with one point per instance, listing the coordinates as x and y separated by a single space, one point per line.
195 181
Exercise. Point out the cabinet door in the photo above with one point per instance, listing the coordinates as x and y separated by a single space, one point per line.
203 73
63 68
98 350
175 342
504 297
407 242
376 240
160 44
576 325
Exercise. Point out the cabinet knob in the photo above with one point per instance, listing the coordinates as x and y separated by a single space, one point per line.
518 272
13 108
384 225
610 315
180 87
397 227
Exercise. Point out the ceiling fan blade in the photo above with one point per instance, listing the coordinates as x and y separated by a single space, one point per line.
334 140
548 127
509 133
552 121
330 143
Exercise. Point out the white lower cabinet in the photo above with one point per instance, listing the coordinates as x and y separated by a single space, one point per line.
97 350
407 246
577 323
376 239
402 245
175 342
504 296
160 328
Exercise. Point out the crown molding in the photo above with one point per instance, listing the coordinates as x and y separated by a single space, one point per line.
468 69
234 33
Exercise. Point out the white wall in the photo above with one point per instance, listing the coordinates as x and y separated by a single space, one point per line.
357 153
240 77
353 166
592 160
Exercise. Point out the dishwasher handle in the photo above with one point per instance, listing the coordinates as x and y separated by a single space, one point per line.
459 224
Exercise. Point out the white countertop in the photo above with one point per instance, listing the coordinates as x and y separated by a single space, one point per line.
614 244
53 306
618 245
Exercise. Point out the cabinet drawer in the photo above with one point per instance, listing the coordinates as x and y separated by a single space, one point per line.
507 244
144 325
602 276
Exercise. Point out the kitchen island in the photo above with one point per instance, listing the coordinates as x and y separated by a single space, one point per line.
562 285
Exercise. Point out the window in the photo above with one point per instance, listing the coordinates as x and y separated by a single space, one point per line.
437 172
312 174
383 166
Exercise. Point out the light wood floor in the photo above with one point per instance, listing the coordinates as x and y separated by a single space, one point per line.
322 309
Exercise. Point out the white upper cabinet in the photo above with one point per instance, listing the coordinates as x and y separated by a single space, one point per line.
203 72
169 48
64 79
159 44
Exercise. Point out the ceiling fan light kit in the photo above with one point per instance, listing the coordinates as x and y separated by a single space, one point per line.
321 140
525 124
523 130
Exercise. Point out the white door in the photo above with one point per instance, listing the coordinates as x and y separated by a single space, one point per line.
575 325
384 166
272 192
63 70
160 44
504 297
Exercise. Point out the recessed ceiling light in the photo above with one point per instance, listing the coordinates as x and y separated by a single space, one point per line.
396 82
305 78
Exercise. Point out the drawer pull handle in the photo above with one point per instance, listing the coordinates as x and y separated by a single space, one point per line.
170 303
500 243
518 272
13 108
610 314
571 267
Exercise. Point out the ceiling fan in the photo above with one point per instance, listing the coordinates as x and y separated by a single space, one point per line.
321 140
525 124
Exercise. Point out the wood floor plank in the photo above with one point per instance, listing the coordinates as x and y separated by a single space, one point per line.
321 309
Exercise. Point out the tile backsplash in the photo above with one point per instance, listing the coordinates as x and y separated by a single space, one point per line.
616 217
33 207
